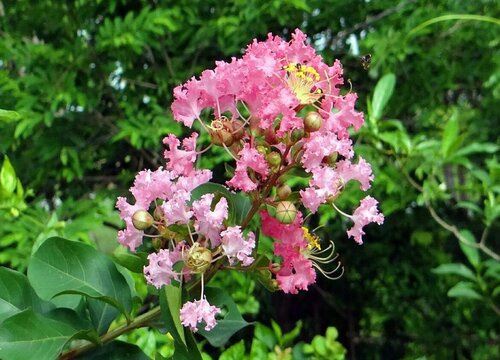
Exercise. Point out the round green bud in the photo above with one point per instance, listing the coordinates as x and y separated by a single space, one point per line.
142 220
297 134
286 212
312 121
284 192
273 159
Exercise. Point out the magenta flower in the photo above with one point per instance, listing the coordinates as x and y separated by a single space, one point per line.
250 158
194 312
366 213
235 247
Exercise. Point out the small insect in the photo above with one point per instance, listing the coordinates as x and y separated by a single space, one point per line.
366 61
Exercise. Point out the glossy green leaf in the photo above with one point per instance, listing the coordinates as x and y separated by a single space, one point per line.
116 350
132 262
171 302
230 324
8 179
60 266
9 115
39 336
455 269
17 295
188 352
382 94
464 289
234 352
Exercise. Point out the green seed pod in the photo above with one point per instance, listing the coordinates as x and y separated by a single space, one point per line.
312 121
332 159
142 220
286 212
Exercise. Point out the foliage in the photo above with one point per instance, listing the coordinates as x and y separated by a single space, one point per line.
91 83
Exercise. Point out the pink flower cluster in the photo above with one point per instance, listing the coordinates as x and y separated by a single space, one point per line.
277 108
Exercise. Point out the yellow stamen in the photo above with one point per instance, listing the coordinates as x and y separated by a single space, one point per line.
313 240
302 81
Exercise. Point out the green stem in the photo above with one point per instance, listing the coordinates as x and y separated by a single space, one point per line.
138 322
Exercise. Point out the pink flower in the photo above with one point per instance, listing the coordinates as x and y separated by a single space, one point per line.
194 312
130 237
298 276
160 270
180 162
187 105
235 247
176 210
250 158
296 271
209 223
362 172
150 185
321 144
366 213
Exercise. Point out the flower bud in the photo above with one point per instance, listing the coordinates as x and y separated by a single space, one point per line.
271 137
238 129
222 136
142 220
312 121
286 212
297 134
284 192
198 258
332 159
273 159
156 242
262 149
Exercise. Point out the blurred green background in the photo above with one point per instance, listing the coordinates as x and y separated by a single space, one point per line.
91 83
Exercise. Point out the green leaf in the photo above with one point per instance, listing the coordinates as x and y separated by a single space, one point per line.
9 116
8 179
470 252
265 335
450 135
17 295
455 269
132 262
188 352
382 94
60 266
234 352
230 324
39 336
171 302
464 289
116 350
475 148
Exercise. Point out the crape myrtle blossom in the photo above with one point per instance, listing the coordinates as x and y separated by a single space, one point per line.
278 111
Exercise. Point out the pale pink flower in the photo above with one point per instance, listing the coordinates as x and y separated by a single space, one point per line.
346 116
366 213
176 210
191 182
321 144
209 223
249 158
150 185
362 172
187 105
235 247
160 270
130 237
194 312
180 162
